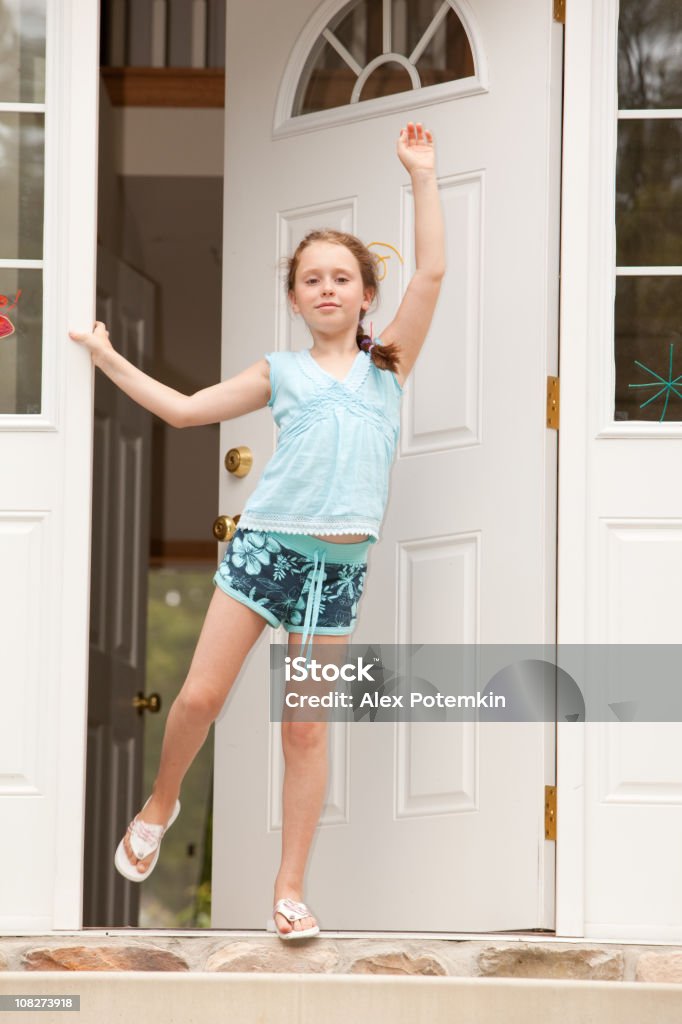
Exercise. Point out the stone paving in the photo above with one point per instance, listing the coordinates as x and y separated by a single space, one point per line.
452 957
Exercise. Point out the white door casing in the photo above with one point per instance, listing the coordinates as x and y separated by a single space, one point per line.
467 549
45 519
620 543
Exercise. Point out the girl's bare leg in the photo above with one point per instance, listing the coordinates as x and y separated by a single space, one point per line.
305 780
229 632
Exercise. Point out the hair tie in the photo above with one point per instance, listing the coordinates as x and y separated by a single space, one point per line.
371 339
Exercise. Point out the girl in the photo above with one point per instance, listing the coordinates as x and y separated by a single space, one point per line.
298 558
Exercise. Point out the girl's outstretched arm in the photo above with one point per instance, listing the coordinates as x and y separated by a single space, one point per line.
410 324
246 392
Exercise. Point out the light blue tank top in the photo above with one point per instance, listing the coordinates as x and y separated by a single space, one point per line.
337 439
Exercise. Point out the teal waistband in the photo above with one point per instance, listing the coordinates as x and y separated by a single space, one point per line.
333 552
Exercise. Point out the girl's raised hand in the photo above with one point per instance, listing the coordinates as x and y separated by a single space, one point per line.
415 148
96 340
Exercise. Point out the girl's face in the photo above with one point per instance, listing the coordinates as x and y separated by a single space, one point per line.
328 289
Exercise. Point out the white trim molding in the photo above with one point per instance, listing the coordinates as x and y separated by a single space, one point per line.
582 66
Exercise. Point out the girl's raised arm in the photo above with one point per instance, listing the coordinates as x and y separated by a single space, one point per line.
246 392
408 328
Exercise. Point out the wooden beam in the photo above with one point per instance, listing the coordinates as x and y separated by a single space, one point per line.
165 87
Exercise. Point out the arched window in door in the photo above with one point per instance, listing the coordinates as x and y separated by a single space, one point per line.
377 48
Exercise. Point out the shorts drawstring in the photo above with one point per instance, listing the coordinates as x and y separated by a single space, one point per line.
312 611
316 580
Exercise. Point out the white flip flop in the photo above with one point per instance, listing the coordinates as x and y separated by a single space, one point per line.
145 838
293 911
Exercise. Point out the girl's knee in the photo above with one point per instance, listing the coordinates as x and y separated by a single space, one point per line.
302 736
200 702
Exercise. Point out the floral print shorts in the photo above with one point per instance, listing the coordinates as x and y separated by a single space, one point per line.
282 576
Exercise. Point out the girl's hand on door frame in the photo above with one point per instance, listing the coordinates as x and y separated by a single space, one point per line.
96 341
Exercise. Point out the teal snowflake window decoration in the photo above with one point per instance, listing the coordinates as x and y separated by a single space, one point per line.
665 387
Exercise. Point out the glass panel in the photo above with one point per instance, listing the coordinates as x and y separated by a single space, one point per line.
22 51
178 894
648 342
417 16
649 54
649 193
21 331
429 29
448 56
329 84
22 143
385 80
359 28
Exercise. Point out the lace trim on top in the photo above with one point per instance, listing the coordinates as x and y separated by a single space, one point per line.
287 524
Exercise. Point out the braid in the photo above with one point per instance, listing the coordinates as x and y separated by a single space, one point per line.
384 357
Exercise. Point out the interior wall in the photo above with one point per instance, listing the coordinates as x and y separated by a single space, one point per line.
171 230
161 212
108 199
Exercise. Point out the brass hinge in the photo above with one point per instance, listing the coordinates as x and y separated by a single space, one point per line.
550 812
560 11
553 403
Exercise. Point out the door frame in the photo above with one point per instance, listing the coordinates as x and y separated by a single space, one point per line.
72 92
587 167
77 186
71 231
574 212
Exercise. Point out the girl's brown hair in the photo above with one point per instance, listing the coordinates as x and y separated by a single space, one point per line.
385 357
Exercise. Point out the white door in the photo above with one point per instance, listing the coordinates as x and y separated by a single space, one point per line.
426 827
48 129
621 444
118 603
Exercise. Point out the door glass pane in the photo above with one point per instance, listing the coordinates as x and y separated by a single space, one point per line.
21 330
386 79
22 51
649 193
648 348
428 33
359 29
448 55
329 83
22 144
649 54
418 16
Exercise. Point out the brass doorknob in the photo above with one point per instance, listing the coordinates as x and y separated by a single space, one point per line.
152 703
239 460
225 527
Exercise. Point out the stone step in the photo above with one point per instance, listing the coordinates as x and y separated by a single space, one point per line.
205 998
224 952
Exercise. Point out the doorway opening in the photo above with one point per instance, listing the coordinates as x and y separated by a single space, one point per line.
155 488
445 552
